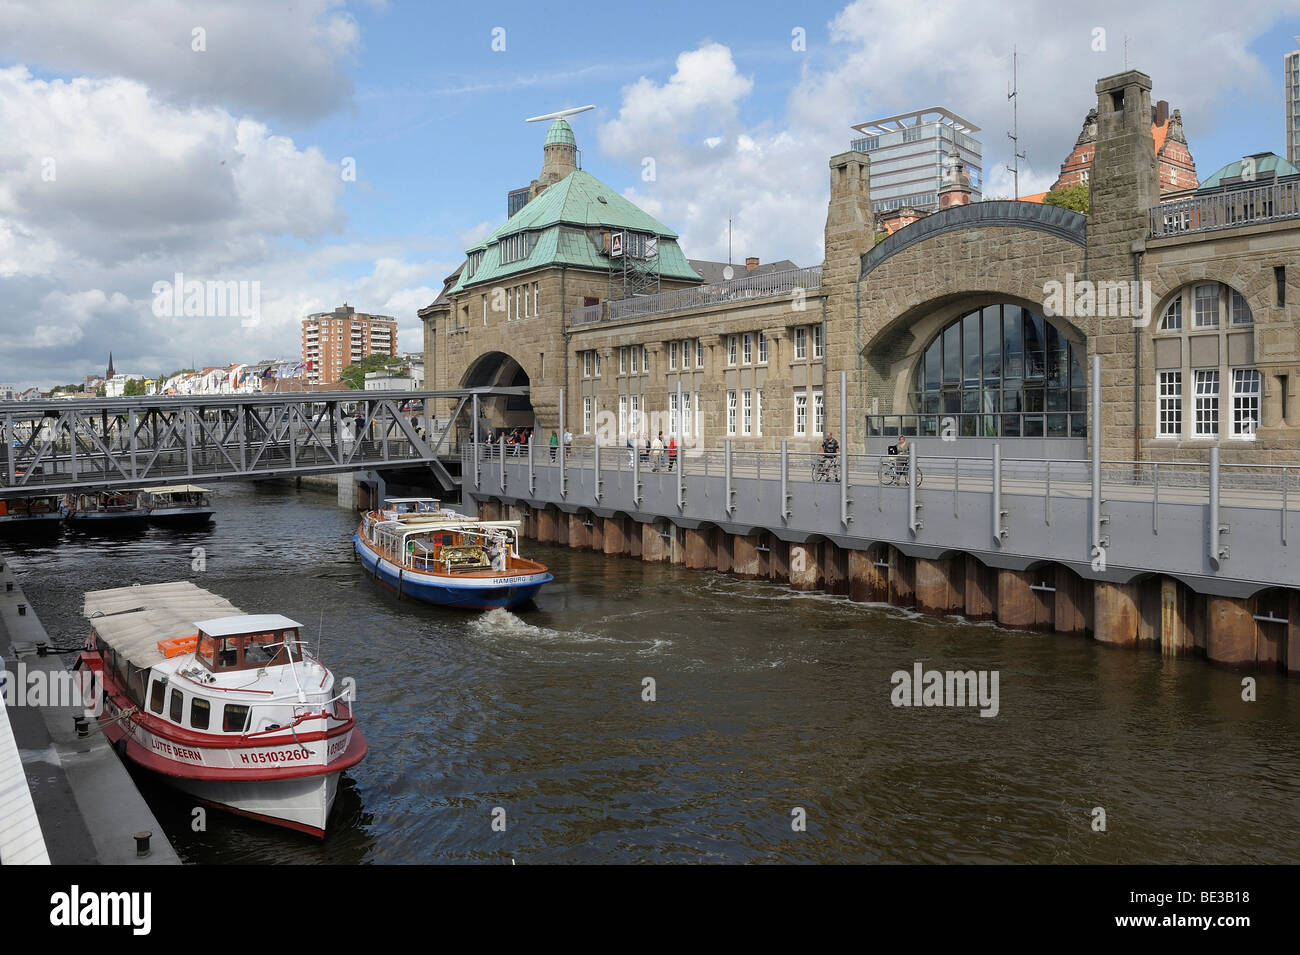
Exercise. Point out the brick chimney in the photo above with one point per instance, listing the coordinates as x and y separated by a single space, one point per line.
751 263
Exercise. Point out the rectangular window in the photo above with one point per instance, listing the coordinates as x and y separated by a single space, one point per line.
748 350
688 423
586 364
731 349
1207 306
597 354
636 357
699 353
686 353
1279 280
622 361
747 412
800 344
645 359
622 414
1245 402
484 313
634 416
819 413
800 413
818 345
234 718
674 423
758 413
518 291
200 710
762 349
1207 404
1169 410
586 415
535 289
731 412
156 694
672 356
177 705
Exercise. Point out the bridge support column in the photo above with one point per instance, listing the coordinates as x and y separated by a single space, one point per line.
579 536
614 537
1231 632
806 571
835 562
654 546
677 543
1073 612
699 549
722 551
940 585
1293 635
902 579
778 560
547 519
867 582
1021 606
1117 620
633 537
981 597
561 528
744 557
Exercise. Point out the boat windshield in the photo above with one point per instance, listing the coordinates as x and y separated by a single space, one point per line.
250 651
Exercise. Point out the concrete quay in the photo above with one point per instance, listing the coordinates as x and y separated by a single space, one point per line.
63 800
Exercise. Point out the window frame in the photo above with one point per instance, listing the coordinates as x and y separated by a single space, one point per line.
1242 398
731 412
1169 403
1205 409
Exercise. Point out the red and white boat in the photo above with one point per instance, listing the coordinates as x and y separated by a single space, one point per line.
231 708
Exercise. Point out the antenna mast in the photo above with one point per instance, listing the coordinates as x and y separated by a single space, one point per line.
1012 94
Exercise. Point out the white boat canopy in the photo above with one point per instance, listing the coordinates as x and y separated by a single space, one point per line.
176 489
245 623
132 620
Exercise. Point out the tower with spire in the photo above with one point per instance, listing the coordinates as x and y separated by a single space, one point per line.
110 372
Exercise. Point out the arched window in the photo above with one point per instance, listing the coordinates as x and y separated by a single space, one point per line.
1001 371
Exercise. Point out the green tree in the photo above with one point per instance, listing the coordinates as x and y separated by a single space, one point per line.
134 387
1070 197
354 376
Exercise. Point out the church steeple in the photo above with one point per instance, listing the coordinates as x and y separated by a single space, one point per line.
109 374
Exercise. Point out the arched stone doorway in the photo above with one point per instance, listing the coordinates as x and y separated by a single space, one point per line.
498 412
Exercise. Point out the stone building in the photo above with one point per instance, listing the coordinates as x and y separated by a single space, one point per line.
974 323
1177 168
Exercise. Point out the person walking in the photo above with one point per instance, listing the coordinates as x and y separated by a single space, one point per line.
657 453
555 444
672 452
631 453
568 443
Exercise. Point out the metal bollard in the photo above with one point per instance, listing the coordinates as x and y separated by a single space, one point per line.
142 843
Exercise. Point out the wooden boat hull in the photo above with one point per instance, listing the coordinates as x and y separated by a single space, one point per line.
12 525
467 593
181 515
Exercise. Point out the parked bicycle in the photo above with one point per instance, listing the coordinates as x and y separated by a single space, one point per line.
897 469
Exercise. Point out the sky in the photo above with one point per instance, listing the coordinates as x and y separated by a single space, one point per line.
326 151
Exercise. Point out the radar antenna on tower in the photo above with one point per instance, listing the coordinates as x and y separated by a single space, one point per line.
559 114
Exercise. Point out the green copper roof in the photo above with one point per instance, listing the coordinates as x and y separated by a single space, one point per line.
565 224
1264 163
560 132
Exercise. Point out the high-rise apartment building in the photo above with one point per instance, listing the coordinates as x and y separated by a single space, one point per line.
910 152
331 341
1291 80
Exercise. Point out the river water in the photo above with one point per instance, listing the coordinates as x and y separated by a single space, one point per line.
770 708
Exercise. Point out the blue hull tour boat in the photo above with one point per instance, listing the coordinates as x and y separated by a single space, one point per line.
424 551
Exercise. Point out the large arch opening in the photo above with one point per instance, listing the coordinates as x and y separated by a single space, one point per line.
500 413
994 372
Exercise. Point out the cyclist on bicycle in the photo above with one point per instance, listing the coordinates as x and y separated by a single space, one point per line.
829 465
904 452
830 447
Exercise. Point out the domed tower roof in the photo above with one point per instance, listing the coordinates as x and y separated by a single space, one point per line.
560 133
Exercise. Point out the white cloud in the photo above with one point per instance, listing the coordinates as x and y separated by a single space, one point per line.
281 60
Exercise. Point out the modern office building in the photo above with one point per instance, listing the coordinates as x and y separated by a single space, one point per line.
909 153
331 341
1291 80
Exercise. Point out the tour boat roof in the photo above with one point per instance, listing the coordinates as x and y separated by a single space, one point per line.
133 619
245 623
408 529
176 489
412 500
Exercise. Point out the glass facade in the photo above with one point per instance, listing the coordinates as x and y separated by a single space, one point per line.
999 371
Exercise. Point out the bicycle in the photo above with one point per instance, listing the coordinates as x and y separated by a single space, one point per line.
897 470
826 469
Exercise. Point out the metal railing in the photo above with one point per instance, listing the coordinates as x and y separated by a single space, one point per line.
1226 210
752 287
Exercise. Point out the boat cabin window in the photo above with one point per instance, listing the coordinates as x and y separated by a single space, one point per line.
249 651
178 705
156 694
234 719
199 713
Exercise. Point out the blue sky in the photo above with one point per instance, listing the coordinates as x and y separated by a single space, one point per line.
224 163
